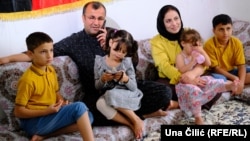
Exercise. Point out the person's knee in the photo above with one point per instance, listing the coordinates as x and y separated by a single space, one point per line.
80 107
108 111
100 103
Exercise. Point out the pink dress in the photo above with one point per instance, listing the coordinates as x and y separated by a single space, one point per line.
192 97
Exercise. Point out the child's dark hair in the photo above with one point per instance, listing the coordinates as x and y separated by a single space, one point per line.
191 36
221 19
36 39
124 38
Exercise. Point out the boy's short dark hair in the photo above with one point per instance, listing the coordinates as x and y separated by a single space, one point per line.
36 39
221 19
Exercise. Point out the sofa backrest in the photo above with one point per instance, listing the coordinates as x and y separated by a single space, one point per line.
241 29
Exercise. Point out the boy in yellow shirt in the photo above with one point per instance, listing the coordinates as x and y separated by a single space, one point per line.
43 112
226 53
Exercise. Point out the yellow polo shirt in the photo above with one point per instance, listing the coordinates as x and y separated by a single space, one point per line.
226 57
36 88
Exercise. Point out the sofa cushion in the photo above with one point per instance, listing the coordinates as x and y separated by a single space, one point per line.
145 68
10 73
241 29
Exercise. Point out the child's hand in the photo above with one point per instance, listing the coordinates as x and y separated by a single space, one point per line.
119 75
65 102
106 76
54 108
199 49
122 76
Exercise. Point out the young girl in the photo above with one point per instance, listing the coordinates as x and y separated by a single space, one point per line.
191 97
115 78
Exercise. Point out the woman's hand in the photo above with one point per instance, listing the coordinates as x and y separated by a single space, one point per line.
187 78
200 82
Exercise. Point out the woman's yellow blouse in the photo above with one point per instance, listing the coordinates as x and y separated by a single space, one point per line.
164 54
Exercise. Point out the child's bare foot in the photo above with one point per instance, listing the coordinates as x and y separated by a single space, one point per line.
36 138
199 121
138 128
235 86
157 113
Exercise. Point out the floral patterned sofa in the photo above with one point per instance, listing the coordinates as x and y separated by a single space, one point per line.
224 111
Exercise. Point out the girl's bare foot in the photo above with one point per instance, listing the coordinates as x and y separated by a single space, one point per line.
199 121
36 138
138 128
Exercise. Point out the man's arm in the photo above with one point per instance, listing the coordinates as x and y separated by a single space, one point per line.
22 57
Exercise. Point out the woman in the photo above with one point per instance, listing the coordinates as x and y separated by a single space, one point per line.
165 47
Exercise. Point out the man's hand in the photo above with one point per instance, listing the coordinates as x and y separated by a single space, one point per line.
102 37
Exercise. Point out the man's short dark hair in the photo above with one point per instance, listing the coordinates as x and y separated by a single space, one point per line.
94 4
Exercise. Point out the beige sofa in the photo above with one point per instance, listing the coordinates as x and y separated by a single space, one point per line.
224 111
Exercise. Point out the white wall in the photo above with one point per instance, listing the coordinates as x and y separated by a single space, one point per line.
136 16
142 15
13 33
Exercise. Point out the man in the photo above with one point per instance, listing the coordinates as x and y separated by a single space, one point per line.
82 47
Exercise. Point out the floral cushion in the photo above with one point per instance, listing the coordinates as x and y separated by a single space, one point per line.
10 73
145 68
241 29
